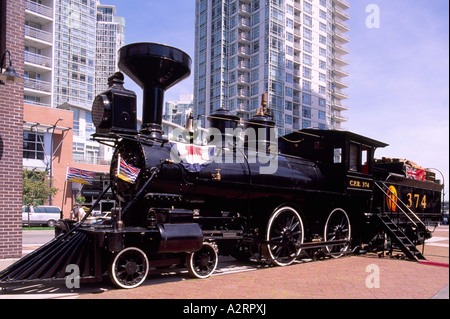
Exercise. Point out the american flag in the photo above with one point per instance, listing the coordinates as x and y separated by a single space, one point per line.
79 176
126 172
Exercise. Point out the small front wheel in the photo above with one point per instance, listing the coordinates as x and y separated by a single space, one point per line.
202 263
129 268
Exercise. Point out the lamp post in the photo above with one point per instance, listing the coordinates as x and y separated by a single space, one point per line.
9 75
443 188
51 160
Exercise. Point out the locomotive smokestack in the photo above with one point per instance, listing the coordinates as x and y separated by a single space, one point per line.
155 68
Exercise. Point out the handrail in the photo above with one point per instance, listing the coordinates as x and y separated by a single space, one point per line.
398 206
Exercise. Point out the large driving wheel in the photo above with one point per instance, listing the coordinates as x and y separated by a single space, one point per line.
202 263
284 233
129 268
338 227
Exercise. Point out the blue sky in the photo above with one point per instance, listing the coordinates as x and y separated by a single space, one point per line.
399 78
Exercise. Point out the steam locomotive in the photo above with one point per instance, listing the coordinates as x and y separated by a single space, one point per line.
245 193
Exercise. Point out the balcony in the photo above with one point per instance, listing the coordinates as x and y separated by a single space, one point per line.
339 12
338 59
343 3
244 51
38 85
341 49
341 38
244 37
245 24
245 10
340 83
41 61
243 80
339 105
340 72
243 93
341 25
339 117
40 35
339 94
45 12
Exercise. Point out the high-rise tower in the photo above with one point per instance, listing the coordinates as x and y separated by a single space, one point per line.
293 50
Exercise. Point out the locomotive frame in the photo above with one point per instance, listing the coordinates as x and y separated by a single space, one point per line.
328 197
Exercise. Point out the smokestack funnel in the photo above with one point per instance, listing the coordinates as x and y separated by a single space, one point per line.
155 68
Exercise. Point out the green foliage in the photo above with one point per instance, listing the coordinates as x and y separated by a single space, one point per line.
36 188
80 199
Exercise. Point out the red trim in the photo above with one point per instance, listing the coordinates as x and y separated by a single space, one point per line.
432 263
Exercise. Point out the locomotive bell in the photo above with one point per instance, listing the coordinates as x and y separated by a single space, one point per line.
115 109
155 68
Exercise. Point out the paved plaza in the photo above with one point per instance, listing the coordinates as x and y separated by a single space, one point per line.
353 277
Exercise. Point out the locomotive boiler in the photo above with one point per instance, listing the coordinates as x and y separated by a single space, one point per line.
243 192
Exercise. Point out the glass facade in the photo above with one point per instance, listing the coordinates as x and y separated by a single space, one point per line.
75 45
290 49
110 37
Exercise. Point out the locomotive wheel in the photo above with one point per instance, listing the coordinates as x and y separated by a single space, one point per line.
202 263
129 268
338 227
286 227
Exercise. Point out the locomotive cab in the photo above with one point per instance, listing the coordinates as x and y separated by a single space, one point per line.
346 159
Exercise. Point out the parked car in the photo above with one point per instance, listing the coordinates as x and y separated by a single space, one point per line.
41 215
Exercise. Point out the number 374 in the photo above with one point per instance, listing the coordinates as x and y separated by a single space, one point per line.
414 200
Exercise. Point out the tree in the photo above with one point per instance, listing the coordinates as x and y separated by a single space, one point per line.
36 188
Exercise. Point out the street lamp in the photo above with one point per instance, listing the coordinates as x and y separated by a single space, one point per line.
51 159
443 188
9 75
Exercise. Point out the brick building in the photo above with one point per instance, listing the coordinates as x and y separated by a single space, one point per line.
12 23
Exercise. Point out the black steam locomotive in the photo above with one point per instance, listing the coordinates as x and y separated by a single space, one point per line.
244 193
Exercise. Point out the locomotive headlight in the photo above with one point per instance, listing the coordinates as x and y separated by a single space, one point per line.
101 112
114 111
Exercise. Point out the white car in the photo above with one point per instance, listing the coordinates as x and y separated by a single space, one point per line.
41 215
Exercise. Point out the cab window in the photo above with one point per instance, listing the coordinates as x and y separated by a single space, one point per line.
359 159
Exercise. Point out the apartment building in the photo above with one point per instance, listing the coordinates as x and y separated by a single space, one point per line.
70 51
293 50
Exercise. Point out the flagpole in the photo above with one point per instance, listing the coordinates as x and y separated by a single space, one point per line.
64 193
118 165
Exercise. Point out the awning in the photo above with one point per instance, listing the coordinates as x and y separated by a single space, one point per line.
43 128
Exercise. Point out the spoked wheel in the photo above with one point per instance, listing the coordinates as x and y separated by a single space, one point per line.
202 263
338 227
129 268
284 232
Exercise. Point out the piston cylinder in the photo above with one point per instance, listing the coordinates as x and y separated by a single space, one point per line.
178 238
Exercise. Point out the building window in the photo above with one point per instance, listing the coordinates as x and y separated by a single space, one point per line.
78 152
322 102
306 112
322 115
33 145
76 122
306 98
